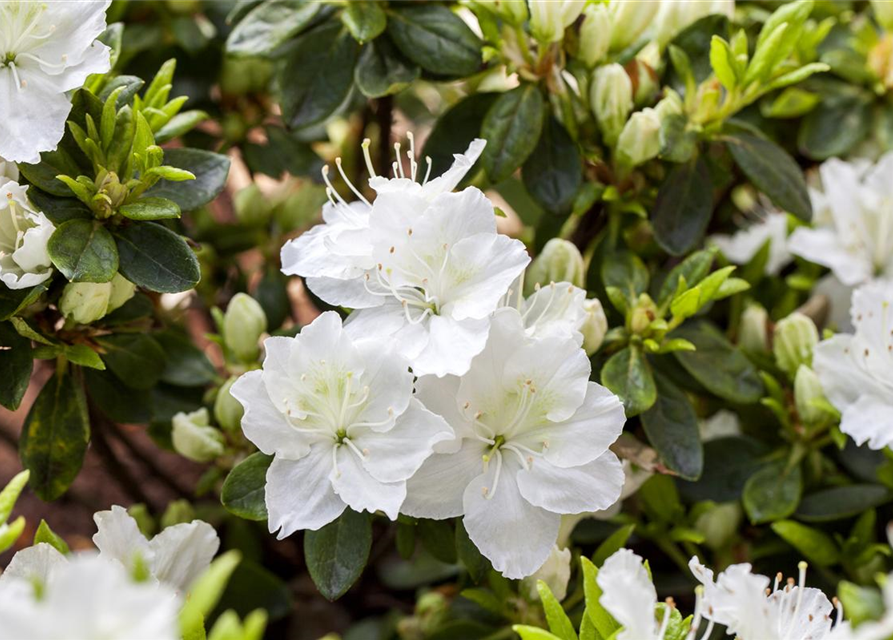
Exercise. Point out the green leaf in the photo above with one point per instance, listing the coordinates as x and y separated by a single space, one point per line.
365 19
533 633
838 503
455 130
612 543
628 374
816 546
55 436
210 171
243 492
468 553
554 173
835 126
205 593
185 365
12 301
558 621
317 76
50 537
382 71
512 129
52 163
862 603
283 152
694 269
671 425
719 366
438 538
150 208
136 358
15 366
58 210
84 251
728 463
604 624
625 271
156 258
180 124
10 494
435 38
84 356
118 401
337 554
723 61
772 493
269 25
683 207
772 171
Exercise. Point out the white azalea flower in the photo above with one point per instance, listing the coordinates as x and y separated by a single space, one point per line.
88 597
424 267
340 418
48 48
743 245
854 222
549 18
532 443
8 171
24 233
855 369
629 596
743 602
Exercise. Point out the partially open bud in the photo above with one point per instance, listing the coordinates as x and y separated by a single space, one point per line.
594 327
227 410
808 388
559 261
632 17
611 99
555 572
549 18
883 12
86 302
792 344
640 139
753 332
595 34
243 325
194 438
643 314
122 291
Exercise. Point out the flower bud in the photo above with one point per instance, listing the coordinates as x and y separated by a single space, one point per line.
559 261
122 291
671 104
251 206
555 572
85 302
792 343
883 13
808 388
631 18
194 438
719 524
753 332
643 314
227 410
611 98
243 325
595 34
594 327
512 11
177 512
549 18
640 139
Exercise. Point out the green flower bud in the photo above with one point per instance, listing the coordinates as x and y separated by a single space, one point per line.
808 388
631 18
792 344
251 206
753 332
122 291
227 410
611 99
85 302
512 11
719 524
640 139
594 327
670 104
177 512
194 438
595 34
559 261
883 12
549 18
643 314
243 325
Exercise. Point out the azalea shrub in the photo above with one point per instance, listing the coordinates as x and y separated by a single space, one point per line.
487 319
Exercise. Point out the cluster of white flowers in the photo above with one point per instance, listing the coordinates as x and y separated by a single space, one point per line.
24 233
45 594
445 393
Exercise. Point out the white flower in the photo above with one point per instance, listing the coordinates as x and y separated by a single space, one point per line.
8 171
854 218
742 601
423 267
24 233
193 436
629 19
549 18
532 443
856 370
611 100
743 245
556 573
630 597
639 139
46 49
339 416
87 597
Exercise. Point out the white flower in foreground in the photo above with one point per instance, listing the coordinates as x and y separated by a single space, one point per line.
854 233
532 443
340 418
46 49
743 602
629 596
856 370
549 18
88 597
743 245
8 171
423 267
24 233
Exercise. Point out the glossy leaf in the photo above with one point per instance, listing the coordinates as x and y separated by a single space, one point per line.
435 38
156 258
337 554
84 251
244 490
671 425
512 129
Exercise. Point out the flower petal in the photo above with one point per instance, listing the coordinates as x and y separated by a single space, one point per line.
437 488
263 423
590 487
183 552
362 492
299 494
629 595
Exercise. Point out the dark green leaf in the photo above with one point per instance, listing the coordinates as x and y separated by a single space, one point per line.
136 358
838 503
14 300
337 554
624 270
455 130
282 153
52 164
55 436
272 295
365 19
835 126
251 588
150 208
816 546
84 356
671 425
156 258
118 401
186 365
553 173
728 463
15 366
435 38
243 492
683 207
438 538
210 171
382 71
468 553
131 85
269 25
84 251
772 493
512 129
58 210
628 374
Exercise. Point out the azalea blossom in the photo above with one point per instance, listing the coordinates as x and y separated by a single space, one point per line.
853 234
560 310
47 49
340 418
24 233
855 369
87 597
629 596
743 245
423 267
549 18
532 437
742 601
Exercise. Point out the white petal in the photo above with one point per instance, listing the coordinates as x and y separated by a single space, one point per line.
869 419
825 247
183 552
356 486
263 423
389 380
119 538
34 563
450 178
299 494
628 595
33 120
590 487
451 346
437 488
350 293
440 396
